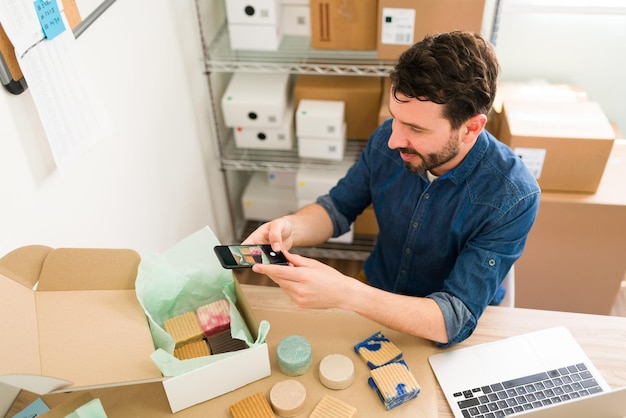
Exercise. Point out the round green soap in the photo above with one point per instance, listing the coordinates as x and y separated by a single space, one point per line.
294 355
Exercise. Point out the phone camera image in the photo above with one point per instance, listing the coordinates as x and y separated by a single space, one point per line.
241 256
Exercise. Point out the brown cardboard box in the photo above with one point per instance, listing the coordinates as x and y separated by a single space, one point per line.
383 111
365 223
76 323
343 24
402 23
574 257
535 91
566 146
361 95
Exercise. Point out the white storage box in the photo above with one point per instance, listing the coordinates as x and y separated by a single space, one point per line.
311 183
322 148
296 17
282 179
320 118
255 37
253 12
258 100
281 138
261 202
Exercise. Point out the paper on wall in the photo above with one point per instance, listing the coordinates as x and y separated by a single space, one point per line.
71 114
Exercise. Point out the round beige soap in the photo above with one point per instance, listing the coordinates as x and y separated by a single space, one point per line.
288 398
336 371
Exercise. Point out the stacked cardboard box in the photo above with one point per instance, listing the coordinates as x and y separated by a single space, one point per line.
402 23
564 138
361 95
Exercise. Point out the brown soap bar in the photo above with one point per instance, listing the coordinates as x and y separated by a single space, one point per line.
223 342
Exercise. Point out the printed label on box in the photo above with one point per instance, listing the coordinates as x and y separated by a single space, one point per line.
398 26
533 158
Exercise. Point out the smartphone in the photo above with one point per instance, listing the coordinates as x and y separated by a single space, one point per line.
242 256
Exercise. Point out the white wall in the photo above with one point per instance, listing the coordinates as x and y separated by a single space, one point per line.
586 50
155 179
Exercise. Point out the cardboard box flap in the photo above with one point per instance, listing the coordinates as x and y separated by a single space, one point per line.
19 351
89 269
24 264
34 383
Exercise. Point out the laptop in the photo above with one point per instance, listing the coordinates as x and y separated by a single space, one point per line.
533 375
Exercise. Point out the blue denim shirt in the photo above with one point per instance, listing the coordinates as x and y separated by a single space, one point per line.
452 240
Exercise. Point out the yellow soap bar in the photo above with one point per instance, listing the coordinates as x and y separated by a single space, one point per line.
192 350
331 407
184 328
394 383
377 350
254 406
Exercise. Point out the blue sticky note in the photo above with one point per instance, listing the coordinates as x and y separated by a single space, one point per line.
49 17
36 408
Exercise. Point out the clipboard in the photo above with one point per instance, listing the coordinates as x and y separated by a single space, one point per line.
10 73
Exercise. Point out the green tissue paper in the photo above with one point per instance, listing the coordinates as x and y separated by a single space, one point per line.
181 280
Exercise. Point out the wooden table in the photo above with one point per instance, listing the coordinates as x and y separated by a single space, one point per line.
334 331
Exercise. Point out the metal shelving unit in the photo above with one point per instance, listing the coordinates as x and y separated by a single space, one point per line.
295 56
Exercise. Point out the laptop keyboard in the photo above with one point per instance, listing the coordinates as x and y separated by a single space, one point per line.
529 392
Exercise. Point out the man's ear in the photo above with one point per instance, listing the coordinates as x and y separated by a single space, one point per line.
474 126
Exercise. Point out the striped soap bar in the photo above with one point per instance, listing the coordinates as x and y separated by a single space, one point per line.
184 328
394 383
214 317
192 350
377 350
223 342
254 406
331 407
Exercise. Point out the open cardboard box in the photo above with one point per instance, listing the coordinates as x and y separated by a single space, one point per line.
72 321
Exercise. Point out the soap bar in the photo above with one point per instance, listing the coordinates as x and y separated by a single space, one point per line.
288 398
184 328
394 383
192 350
223 342
214 317
336 371
331 407
377 350
254 406
294 355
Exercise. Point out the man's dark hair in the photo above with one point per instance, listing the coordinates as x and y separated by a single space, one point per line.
457 69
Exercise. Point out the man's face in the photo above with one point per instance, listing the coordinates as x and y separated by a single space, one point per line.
422 136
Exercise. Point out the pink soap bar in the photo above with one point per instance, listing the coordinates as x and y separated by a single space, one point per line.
214 317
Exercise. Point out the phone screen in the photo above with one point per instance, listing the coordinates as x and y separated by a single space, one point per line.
242 256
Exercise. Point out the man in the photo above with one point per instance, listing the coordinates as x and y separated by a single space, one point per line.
454 205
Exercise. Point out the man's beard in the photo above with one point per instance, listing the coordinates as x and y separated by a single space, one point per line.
431 161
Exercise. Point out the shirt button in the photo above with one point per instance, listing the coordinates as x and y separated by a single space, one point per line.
415 224
427 196
492 262
407 251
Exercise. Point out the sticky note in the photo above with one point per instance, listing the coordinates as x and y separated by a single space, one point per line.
49 17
